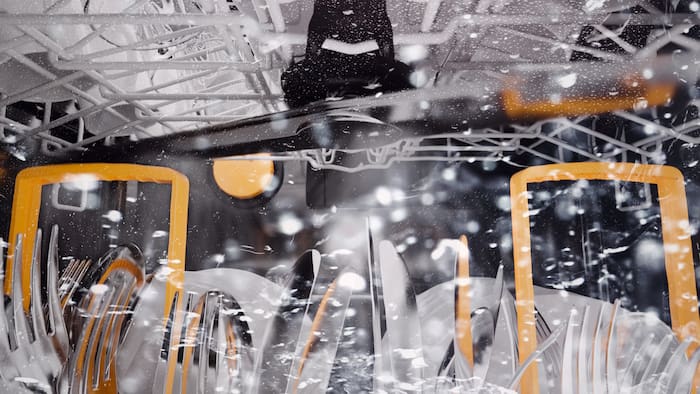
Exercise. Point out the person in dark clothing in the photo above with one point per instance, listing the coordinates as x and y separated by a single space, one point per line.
349 52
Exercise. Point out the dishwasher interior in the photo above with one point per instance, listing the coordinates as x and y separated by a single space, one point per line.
520 220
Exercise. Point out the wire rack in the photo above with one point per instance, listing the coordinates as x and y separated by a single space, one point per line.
75 73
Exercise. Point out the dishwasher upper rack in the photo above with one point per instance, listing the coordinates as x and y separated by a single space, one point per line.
100 71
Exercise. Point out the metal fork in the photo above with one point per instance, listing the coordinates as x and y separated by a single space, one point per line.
69 282
92 370
31 353
213 321
552 359
593 364
71 278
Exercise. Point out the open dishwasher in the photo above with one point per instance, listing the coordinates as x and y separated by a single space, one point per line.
516 216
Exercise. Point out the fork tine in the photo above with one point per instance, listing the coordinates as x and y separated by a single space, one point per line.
77 276
64 280
8 370
189 337
35 305
568 372
223 376
82 271
636 366
597 359
661 349
109 354
124 277
543 331
538 351
42 345
230 340
106 333
205 332
510 319
611 356
167 345
91 376
94 305
311 369
58 327
554 352
583 345
673 365
94 339
500 284
192 337
19 330
168 337
66 271
71 279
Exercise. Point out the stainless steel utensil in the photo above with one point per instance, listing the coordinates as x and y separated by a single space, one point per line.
541 348
484 321
33 353
213 322
480 327
71 278
81 374
92 369
402 342
318 342
275 355
551 356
